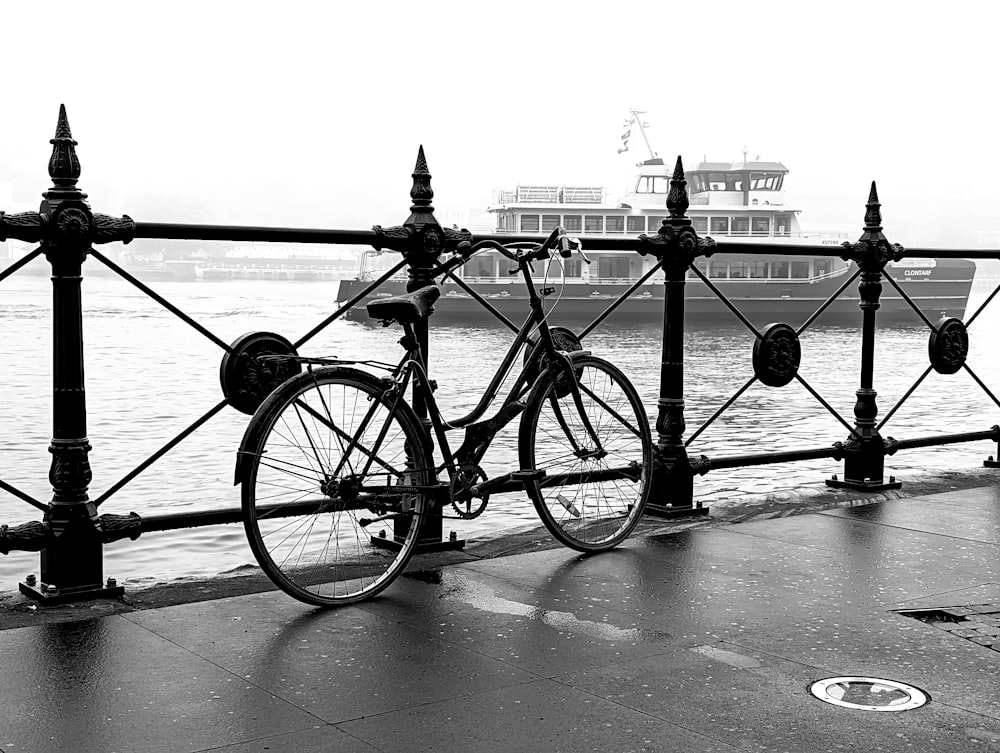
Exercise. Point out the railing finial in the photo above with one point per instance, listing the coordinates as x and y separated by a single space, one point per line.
421 193
873 212
677 199
64 167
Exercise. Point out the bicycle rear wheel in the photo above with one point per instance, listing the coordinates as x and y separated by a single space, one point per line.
335 479
589 499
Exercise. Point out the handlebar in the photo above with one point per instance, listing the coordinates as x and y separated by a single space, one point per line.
522 252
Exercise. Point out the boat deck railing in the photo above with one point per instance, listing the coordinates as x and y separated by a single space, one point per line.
74 528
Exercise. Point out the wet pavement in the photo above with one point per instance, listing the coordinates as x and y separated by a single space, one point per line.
705 638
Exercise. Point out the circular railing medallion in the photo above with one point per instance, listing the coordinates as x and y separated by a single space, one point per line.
948 346
868 694
777 355
254 369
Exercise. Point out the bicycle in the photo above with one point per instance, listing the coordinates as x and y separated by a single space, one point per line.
337 470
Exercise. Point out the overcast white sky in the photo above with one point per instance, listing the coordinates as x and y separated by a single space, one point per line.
310 113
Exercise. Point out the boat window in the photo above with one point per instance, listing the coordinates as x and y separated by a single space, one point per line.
573 223
549 222
652 184
779 270
741 225
782 224
822 266
654 224
738 270
765 181
480 266
760 225
698 184
800 269
614 224
529 223
571 268
613 267
636 224
718 269
701 265
700 224
716 181
734 181
758 270
720 225
593 223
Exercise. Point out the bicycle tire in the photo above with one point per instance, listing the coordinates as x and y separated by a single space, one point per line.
306 492
588 504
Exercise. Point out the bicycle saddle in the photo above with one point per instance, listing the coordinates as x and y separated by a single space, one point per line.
406 308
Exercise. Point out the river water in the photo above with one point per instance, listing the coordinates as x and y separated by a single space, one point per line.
149 375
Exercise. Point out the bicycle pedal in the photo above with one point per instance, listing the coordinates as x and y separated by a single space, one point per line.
536 475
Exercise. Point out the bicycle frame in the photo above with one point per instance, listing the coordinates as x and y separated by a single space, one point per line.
479 436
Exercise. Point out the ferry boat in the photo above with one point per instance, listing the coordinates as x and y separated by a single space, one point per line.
743 201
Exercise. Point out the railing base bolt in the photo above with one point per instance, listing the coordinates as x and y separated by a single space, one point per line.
835 477
381 534
892 479
30 579
868 479
112 582
453 536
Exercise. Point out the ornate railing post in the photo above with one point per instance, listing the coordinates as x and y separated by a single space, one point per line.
421 240
865 451
71 560
676 246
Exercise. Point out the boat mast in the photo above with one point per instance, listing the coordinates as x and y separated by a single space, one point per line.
636 120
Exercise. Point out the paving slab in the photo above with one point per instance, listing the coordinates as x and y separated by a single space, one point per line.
703 639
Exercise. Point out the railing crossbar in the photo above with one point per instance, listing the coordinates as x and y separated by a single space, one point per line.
160 453
981 384
483 302
985 303
160 299
27 258
903 399
725 299
909 300
721 410
826 405
343 308
621 299
24 496
826 304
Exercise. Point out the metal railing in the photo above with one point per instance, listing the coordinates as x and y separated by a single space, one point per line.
72 533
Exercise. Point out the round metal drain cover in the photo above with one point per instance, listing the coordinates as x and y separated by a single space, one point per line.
868 694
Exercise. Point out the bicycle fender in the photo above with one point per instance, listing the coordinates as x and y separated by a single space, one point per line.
249 434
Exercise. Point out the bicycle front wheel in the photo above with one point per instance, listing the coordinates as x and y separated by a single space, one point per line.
335 477
589 494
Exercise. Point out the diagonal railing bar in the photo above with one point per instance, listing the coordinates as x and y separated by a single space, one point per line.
161 452
981 384
20 263
721 410
829 407
722 297
350 304
22 495
483 302
909 300
621 299
902 400
160 299
985 303
823 307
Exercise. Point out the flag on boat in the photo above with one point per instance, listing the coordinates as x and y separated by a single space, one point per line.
625 138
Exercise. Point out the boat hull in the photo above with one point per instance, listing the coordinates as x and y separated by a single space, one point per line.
940 291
